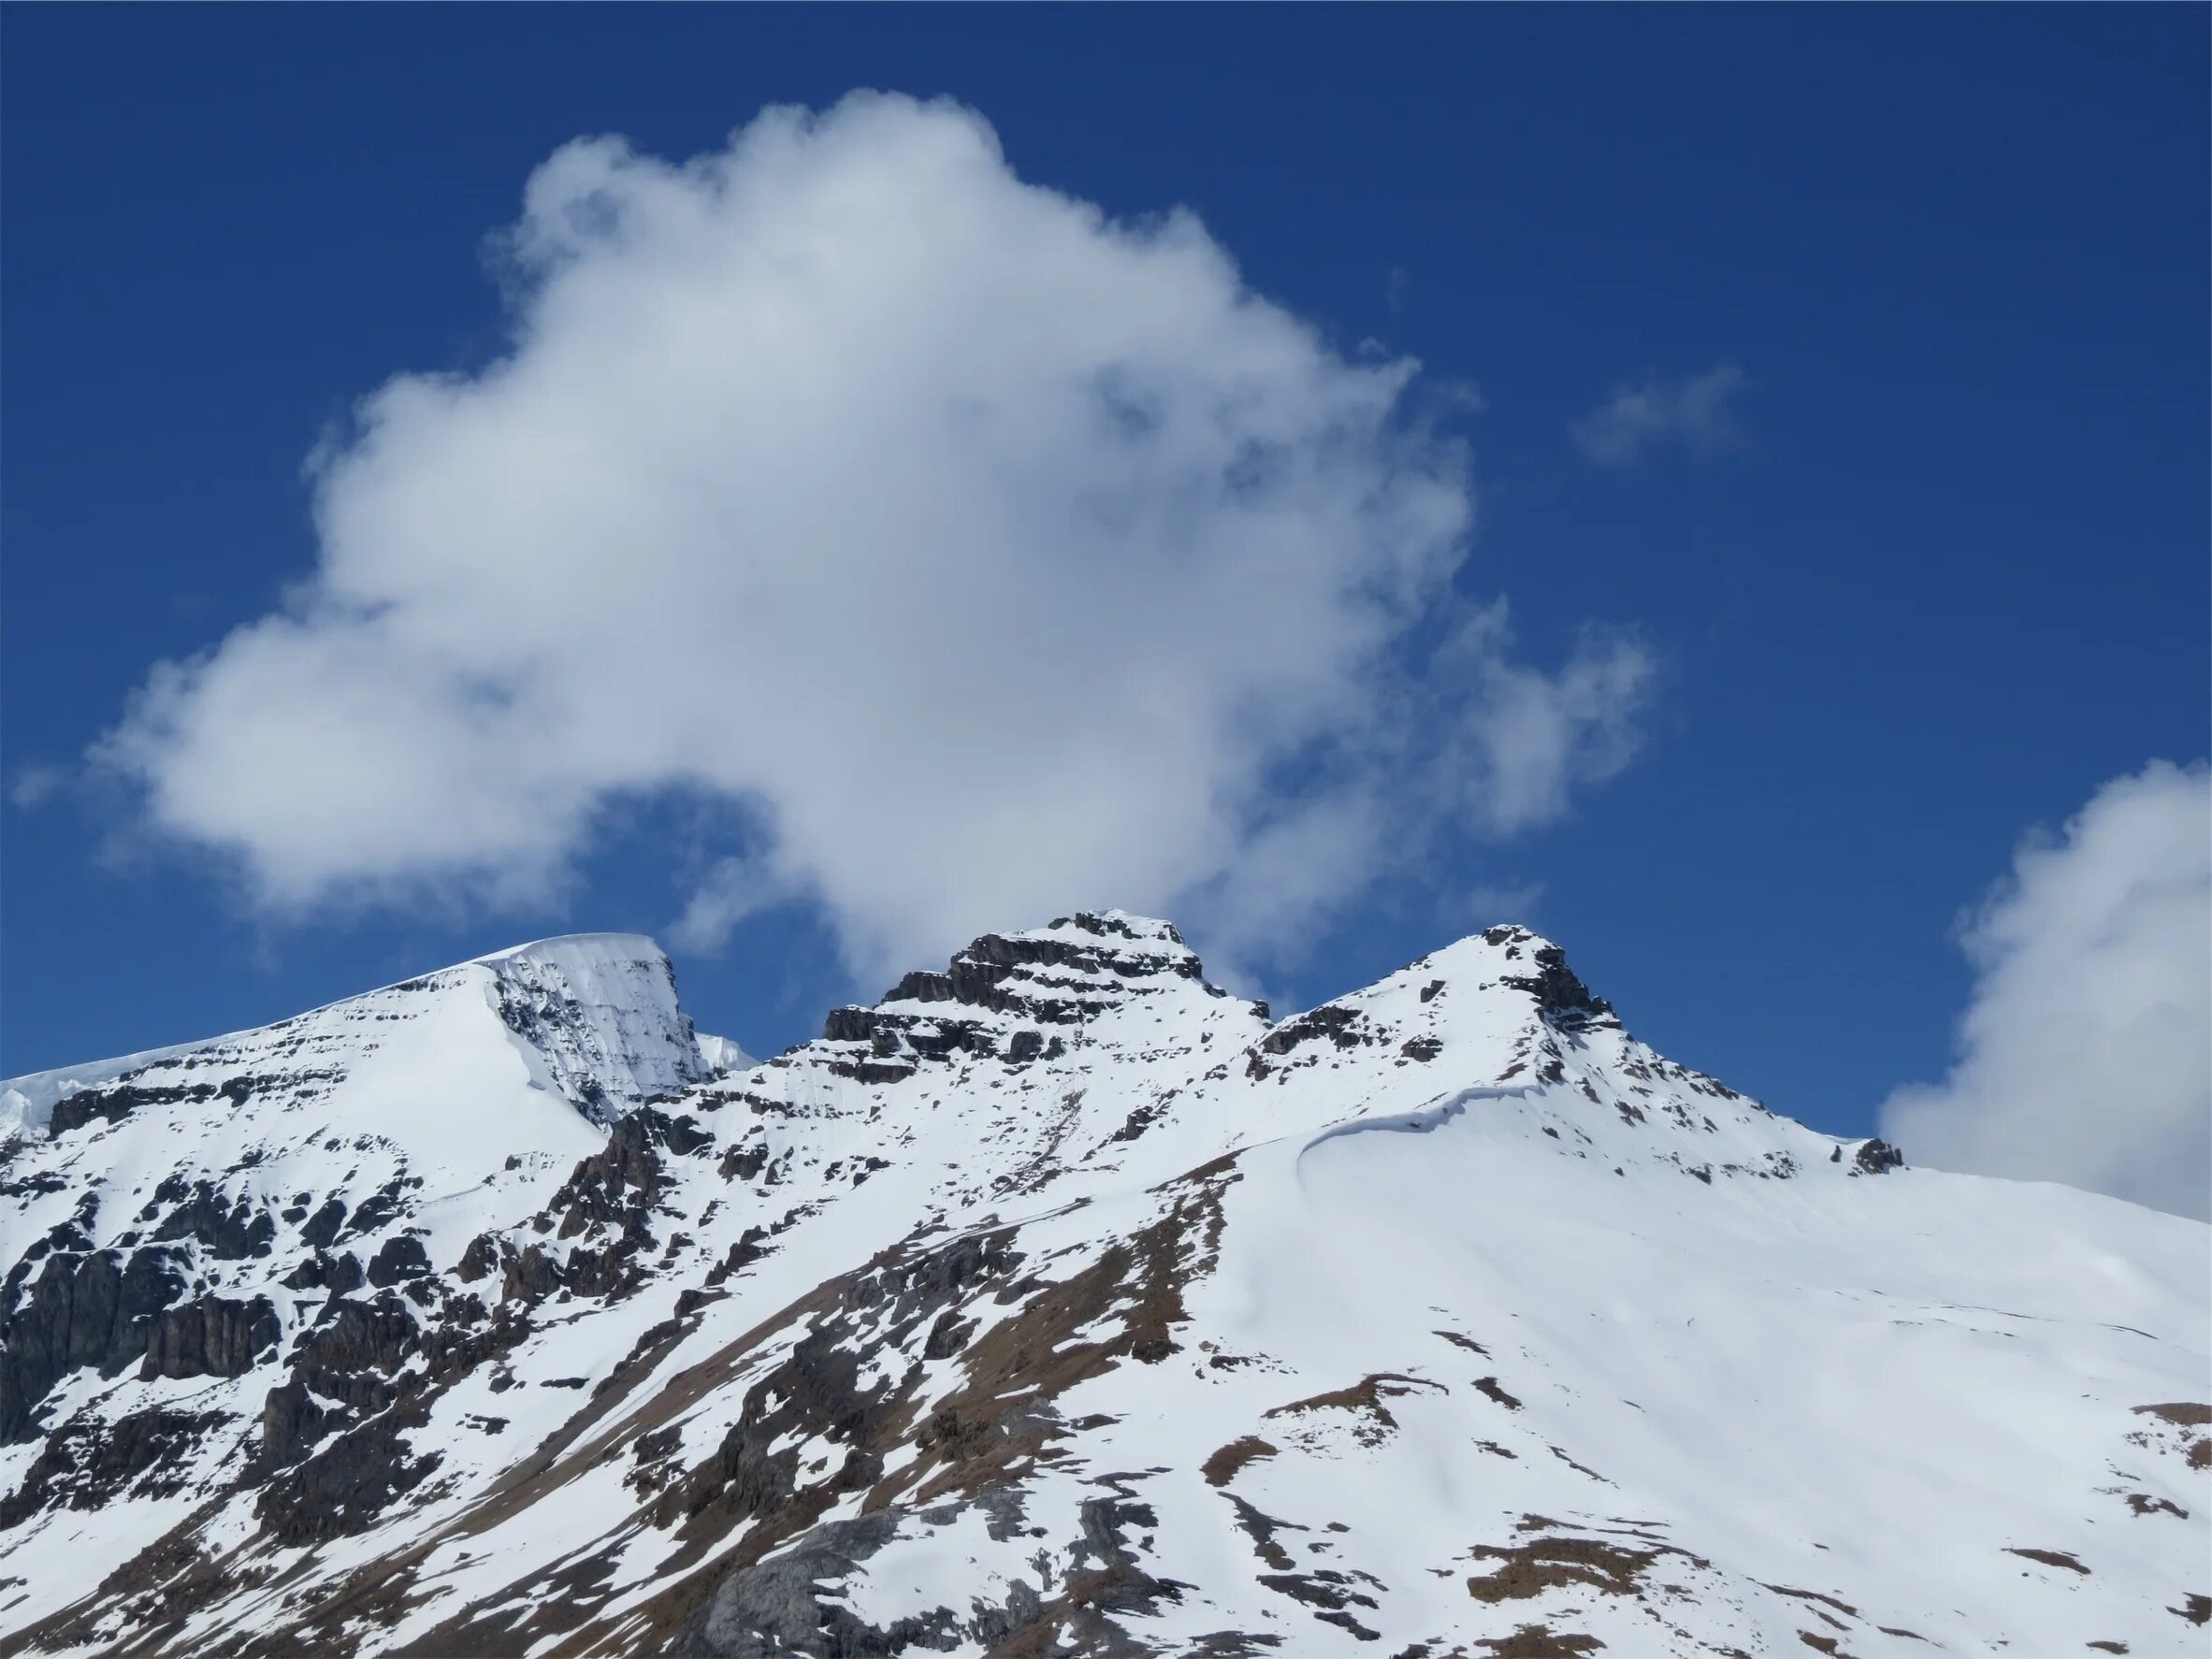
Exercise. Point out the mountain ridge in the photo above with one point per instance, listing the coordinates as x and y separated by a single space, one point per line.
1060 1301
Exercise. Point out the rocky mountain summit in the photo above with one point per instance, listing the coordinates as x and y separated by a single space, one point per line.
1059 1303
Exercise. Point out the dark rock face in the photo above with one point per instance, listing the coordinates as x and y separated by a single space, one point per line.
226 1227
1876 1158
850 1024
791 1603
612 1194
335 1451
291 1423
817 1388
1047 982
978 975
624 1177
481 1259
380 1208
1116 1584
117 1101
96 1310
1564 999
339 1436
87 1460
744 1164
321 1230
213 1336
748 1479
340 1274
354 1338
349 1358
343 1488
770 1608
400 1255
1340 1025
1039 1337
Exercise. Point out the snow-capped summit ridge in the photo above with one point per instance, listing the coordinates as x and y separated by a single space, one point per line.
608 947
593 1019
1524 960
1061 1300
601 1010
1024 993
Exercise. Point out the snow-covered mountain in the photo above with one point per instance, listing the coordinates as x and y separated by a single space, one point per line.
1059 1303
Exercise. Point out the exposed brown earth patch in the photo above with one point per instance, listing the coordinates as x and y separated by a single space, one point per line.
2194 1450
1222 1467
2051 1558
1538 1641
1364 1398
1556 1564
2142 1503
2188 1413
1488 1387
999 1424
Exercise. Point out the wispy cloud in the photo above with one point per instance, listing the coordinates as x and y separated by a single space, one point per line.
1493 903
990 556
35 784
1691 412
2085 1055
730 893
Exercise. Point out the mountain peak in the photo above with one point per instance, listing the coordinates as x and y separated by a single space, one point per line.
601 1010
1058 1300
1102 946
589 1018
578 948
1019 995
1527 961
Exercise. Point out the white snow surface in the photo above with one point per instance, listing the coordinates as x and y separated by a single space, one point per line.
1446 1319
723 1056
601 1009
463 1096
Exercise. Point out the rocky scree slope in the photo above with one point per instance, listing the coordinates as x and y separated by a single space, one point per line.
1059 1303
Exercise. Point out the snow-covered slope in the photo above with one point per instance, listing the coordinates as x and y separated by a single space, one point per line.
203 1186
1060 1303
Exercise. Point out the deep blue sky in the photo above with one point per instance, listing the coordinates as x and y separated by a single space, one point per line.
1954 577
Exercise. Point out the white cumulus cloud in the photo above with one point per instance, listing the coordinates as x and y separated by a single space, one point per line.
1691 412
2086 1053
989 555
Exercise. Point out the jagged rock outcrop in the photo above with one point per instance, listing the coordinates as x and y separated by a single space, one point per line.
68 1311
1562 996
